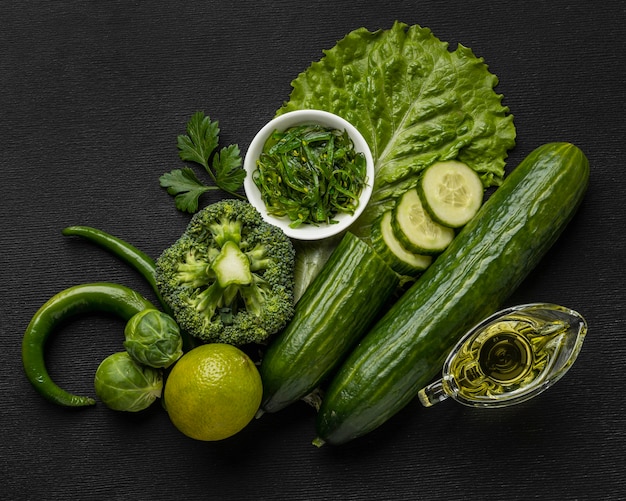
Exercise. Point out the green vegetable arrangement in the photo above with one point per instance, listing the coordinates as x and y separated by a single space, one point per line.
228 278
485 263
331 313
73 301
416 103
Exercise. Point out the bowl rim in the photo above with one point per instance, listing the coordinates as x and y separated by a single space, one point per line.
283 122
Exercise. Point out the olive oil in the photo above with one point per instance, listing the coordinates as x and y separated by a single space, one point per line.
507 356
510 357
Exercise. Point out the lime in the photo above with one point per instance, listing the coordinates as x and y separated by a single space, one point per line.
213 392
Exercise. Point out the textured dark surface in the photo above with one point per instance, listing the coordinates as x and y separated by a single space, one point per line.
92 96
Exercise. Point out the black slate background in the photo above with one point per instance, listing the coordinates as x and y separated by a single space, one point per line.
92 96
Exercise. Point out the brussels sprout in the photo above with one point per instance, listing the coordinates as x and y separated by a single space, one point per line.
124 385
153 338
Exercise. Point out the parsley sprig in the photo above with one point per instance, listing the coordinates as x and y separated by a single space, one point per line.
198 147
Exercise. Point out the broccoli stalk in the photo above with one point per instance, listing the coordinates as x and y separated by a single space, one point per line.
229 277
231 266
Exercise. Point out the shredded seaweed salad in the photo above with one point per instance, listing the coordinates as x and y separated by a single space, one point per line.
310 173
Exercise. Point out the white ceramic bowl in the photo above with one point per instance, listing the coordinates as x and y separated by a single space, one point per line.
291 119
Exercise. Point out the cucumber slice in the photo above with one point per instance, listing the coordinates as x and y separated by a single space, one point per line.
451 192
391 250
414 228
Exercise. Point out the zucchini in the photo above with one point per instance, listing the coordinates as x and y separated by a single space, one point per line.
333 313
451 192
415 229
392 251
486 262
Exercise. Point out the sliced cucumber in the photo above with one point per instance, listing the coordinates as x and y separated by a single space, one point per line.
415 229
392 251
451 192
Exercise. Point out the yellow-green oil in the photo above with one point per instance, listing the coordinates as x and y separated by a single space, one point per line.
508 355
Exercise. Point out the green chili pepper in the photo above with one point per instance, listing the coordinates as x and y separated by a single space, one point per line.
102 297
132 256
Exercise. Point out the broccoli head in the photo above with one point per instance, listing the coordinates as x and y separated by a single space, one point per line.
229 278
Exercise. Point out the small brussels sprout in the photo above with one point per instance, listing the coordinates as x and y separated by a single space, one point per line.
153 338
124 385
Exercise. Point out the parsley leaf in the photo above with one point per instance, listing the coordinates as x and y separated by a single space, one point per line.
228 170
201 139
198 146
185 187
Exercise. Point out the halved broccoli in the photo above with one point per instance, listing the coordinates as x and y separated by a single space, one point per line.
229 278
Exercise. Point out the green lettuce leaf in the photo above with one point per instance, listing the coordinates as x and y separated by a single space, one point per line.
415 102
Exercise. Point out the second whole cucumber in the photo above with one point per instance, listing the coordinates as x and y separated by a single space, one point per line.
334 312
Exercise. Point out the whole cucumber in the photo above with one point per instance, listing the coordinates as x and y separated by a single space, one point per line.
334 312
470 280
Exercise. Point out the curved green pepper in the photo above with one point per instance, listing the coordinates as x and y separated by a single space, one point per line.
128 253
101 297
132 256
